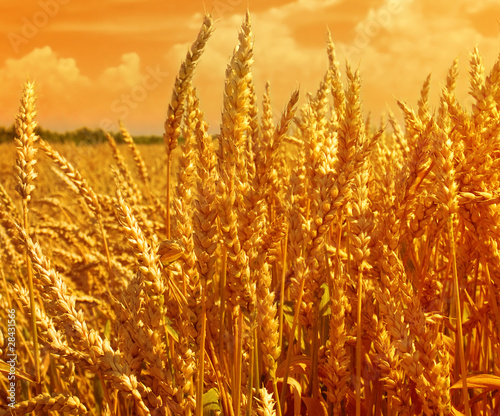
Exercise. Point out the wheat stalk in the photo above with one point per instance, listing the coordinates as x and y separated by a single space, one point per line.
25 162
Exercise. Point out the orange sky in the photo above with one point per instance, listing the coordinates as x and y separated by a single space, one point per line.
95 61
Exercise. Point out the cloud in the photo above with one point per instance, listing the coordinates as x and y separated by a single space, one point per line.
419 40
397 43
43 64
300 6
125 75
68 99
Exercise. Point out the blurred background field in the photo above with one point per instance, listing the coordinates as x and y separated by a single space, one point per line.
93 161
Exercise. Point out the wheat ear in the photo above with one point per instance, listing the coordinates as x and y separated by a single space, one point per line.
45 402
83 188
25 162
139 161
176 106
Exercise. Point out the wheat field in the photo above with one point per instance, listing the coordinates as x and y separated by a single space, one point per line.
312 262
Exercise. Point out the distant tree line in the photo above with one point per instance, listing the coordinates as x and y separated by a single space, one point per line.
82 135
